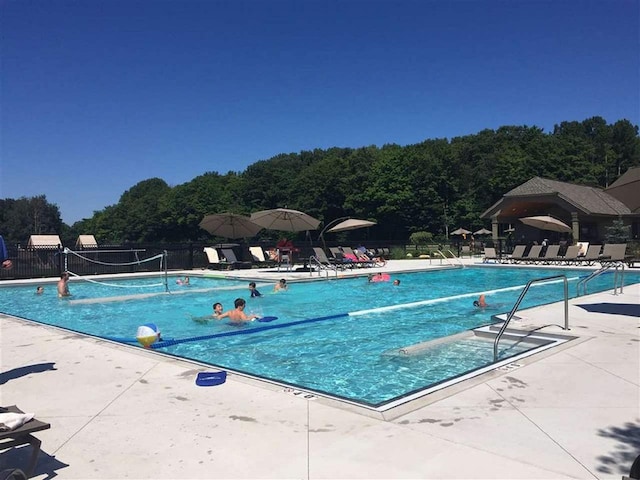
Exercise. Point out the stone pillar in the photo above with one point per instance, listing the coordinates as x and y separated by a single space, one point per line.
494 228
575 225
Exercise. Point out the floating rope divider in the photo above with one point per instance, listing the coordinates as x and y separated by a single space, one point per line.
170 343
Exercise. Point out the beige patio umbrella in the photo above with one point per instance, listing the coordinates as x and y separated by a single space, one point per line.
547 222
285 219
351 224
460 231
482 231
229 225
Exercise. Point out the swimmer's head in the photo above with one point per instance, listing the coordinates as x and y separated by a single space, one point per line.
476 303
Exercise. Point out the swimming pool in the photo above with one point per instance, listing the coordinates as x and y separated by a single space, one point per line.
336 337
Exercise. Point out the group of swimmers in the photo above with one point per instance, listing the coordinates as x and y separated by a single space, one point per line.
237 315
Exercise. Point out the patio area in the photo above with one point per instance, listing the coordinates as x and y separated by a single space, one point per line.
118 411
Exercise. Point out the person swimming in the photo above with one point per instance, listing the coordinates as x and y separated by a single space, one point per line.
480 302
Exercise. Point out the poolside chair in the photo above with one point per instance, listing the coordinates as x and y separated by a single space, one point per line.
360 259
571 255
259 257
551 255
213 258
232 261
518 254
592 255
323 261
465 250
489 254
613 252
534 254
23 436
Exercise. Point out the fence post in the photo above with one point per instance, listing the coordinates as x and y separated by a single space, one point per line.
190 255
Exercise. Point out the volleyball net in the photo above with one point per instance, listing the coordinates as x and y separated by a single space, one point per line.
79 265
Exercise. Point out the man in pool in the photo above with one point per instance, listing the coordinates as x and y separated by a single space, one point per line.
480 302
281 285
63 285
254 291
396 282
237 315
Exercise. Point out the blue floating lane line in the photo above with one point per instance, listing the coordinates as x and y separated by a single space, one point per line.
128 340
170 343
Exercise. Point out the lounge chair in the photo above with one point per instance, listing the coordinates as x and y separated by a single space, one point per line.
22 436
259 257
613 252
358 258
551 255
465 250
213 258
592 255
323 261
571 255
534 254
232 261
489 254
518 254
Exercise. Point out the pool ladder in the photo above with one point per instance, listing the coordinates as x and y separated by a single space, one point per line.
449 258
519 301
582 284
316 264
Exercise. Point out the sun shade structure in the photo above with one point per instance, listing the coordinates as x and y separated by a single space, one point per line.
285 220
482 231
547 222
460 231
44 242
86 241
351 224
229 225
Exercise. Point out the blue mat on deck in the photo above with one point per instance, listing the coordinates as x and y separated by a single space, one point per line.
630 309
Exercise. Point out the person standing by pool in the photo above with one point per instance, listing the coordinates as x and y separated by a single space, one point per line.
281 286
63 285
4 255
254 291
237 315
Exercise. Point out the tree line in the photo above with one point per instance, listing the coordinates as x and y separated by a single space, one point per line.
426 187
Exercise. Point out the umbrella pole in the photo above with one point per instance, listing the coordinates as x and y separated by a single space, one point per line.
328 225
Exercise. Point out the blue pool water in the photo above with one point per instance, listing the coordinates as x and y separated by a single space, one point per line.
343 355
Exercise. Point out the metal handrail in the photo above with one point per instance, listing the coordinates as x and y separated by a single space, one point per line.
583 283
321 266
448 259
521 297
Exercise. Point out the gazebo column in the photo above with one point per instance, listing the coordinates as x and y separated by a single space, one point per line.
575 225
494 228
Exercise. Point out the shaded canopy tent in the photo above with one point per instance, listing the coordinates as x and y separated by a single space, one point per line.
460 231
285 220
86 241
229 225
546 222
482 231
44 242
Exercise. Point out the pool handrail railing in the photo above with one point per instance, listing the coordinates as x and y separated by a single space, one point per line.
519 301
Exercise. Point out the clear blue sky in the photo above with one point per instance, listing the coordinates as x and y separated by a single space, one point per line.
98 95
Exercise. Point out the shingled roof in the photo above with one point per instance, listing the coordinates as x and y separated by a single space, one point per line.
590 200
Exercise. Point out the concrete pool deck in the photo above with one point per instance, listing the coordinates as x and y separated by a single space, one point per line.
118 411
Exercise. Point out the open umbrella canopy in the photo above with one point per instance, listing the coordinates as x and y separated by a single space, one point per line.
285 220
460 231
229 225
547 222
351 224
482 231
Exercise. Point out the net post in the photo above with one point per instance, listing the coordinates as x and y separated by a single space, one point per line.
166 273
